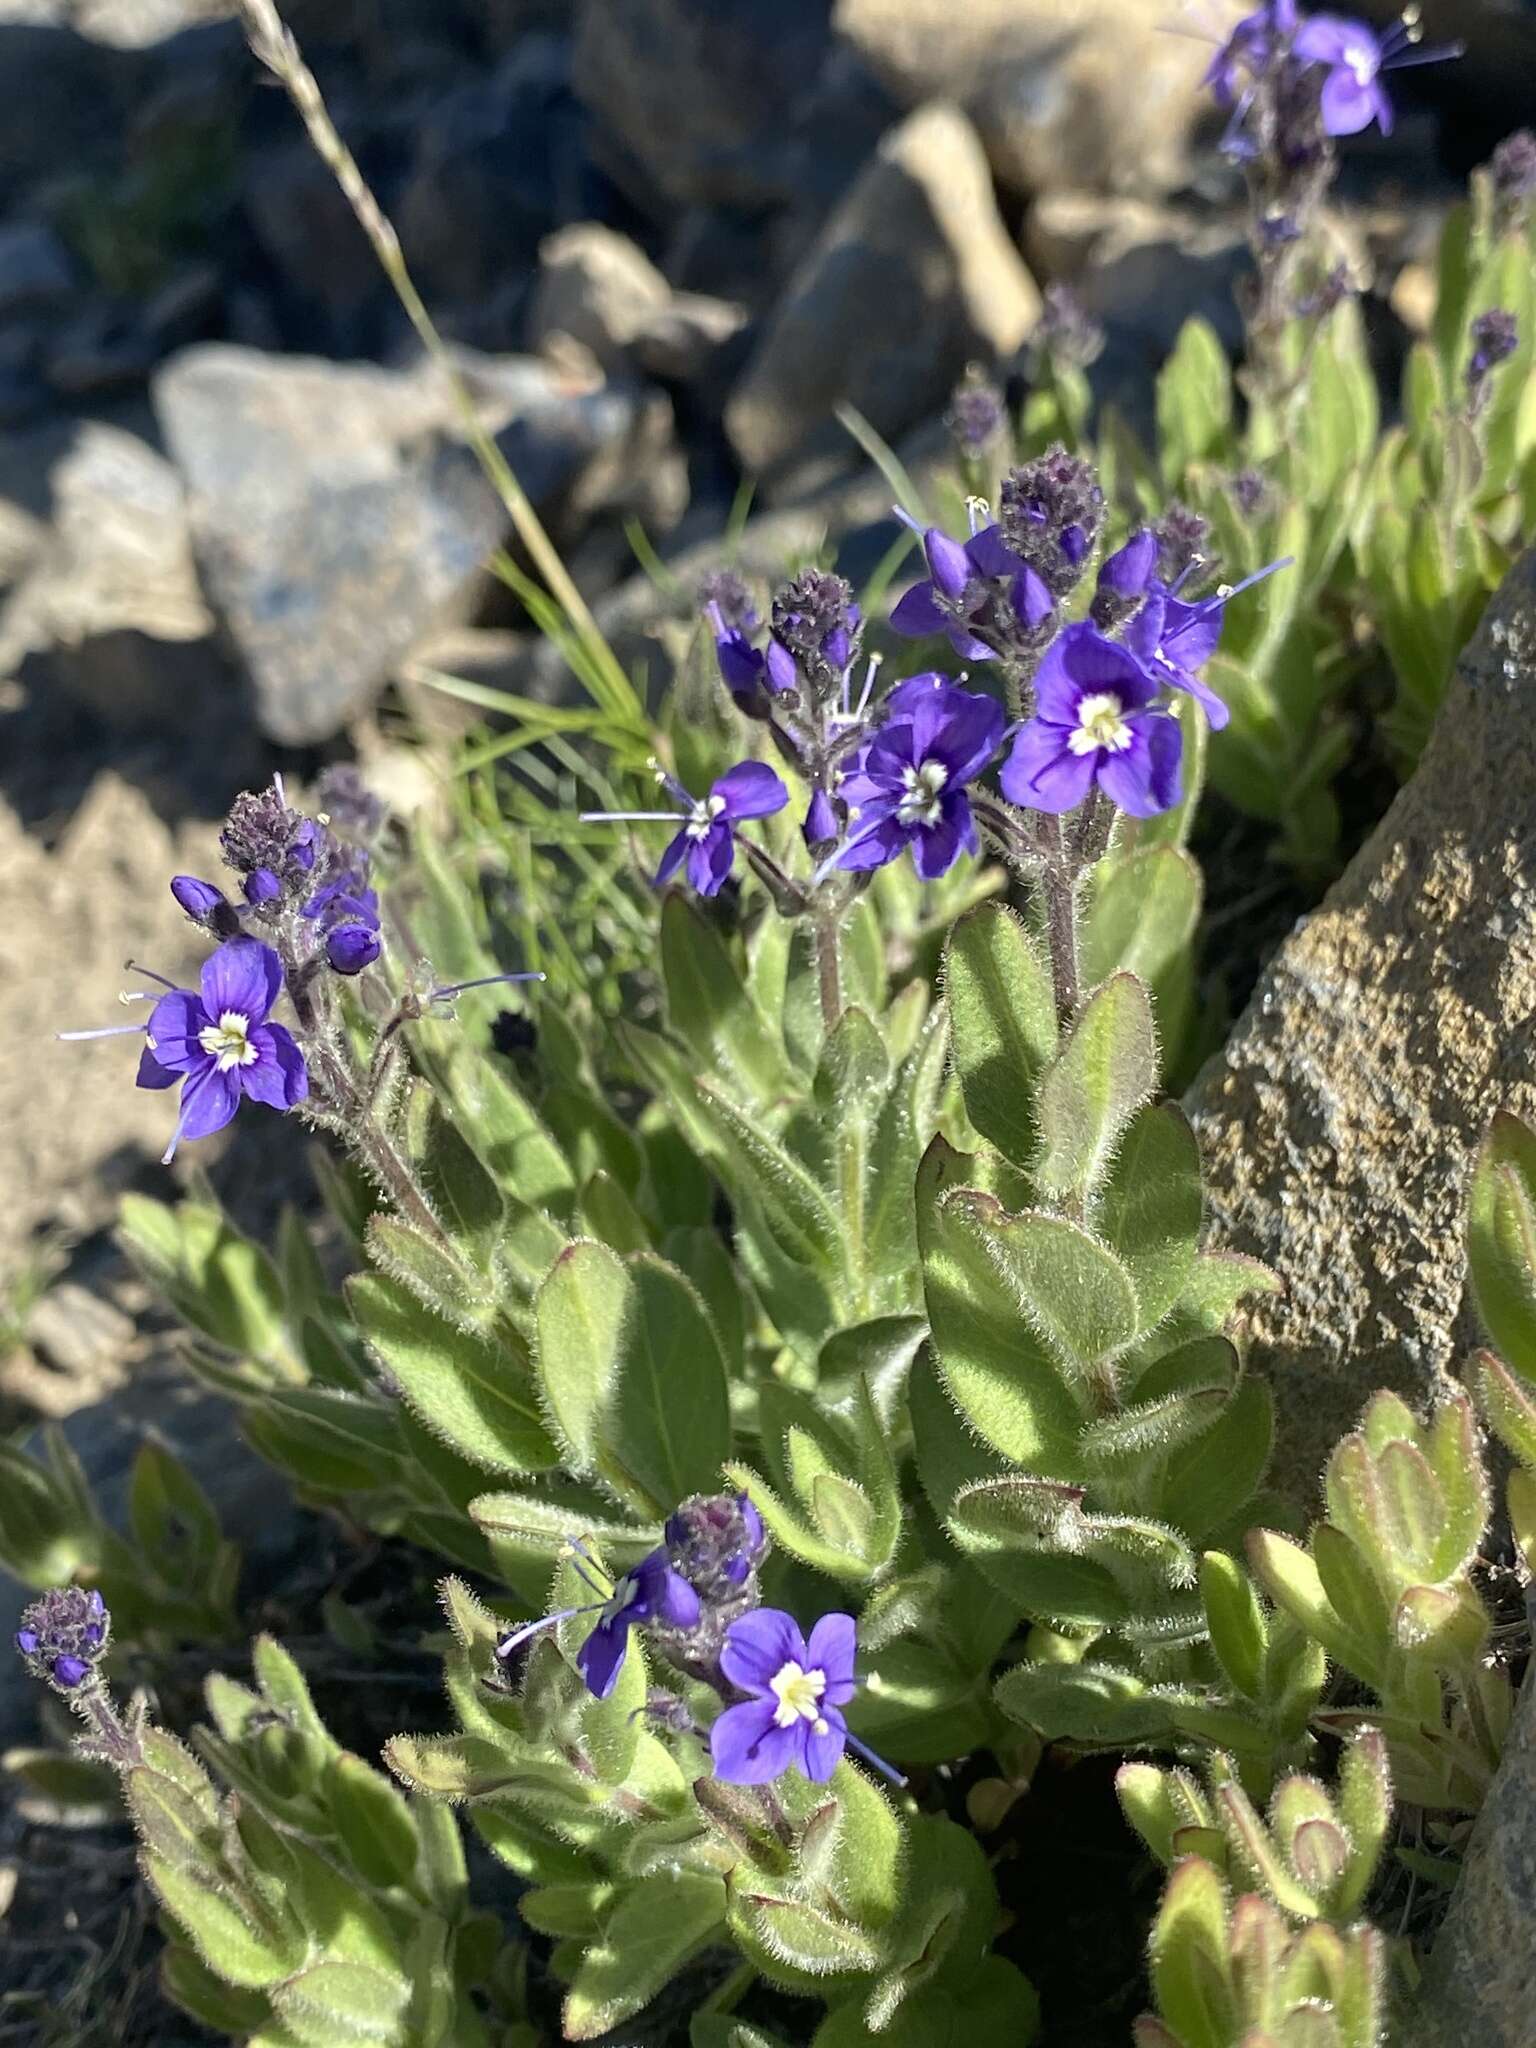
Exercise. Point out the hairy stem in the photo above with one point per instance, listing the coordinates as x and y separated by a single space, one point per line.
829 970
1058 883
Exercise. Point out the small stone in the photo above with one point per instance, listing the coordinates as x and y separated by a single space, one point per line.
80 1334
913 277
595 286
35 268
1340 1122
687 338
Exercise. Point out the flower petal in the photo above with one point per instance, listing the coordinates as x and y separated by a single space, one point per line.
1042 773
992 555
672 859
948 563
1348 106
875 843
208 1101
821 1754
758 1646
278 1076
779 668
601 1657
152 1074
970 735
1191 633
747 1748
1331 39
710 859
936 848
750 790
244 976
916 615
1143 780
1128 571
833 1645
174 1023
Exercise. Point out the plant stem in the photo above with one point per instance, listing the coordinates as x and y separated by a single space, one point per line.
829 972
1058 883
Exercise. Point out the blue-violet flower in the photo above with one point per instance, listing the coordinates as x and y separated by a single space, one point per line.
795 1692
1096 721
907 786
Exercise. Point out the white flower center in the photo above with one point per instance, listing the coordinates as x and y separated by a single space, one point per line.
799 1696
701 819
229 1041
1362 63
1100 724
920 805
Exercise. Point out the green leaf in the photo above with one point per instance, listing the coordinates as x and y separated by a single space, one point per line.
1291 1579
1003 1023
710 1005
1507 1402
1189 1958
1145 911
229 1940
1501 1240
1084 1703
334 2001
1025 1534
999 1373
1149 1211
797 1211
651 1933
1194 405
1106 1073
668 1429
1239 1636
472 1391
1365 1808
373 1821
579 1317
1073 1291
1208 1482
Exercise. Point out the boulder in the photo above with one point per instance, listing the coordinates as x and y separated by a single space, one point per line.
36 271
913 277
1086 93
108 601
1340 1121
338 513
696 103
1480 1985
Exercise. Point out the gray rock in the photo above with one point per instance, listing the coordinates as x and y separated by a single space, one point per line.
79 1332
597 288
35 268
1480 1985
913 277
1140 268
699 103
338 514
1340 1122
1085 93
110 602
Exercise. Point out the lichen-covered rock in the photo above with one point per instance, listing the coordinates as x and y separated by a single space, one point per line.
1480 1986
912 277
1340 1121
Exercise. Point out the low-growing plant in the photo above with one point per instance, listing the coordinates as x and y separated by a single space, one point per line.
791 1313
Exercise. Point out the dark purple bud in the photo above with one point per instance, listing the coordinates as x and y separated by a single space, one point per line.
1183 538
1250 492
1513 171
352 947
262 886
63 1636
1050 514
779 665
820 827
977 415
307 842
1495 338
1031 600
1067 332
723 591
349 804
200 900
817 622
716 1542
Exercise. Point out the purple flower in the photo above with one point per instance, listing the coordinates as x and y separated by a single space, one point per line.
1495 338
1353 58
1124 580
1249 50
1096 721
1066 331
795 1690
816 629
64 1635
651 1592
963 583
1174 640
707 842
262 886
820 827
1512 168
219 1045
906 786
977 415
